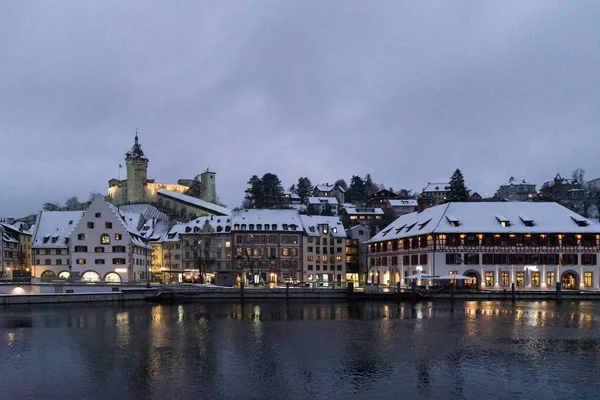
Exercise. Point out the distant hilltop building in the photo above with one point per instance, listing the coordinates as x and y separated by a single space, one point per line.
188 198
515 190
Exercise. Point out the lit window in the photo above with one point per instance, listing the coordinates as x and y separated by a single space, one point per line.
105 238
80 261
118 236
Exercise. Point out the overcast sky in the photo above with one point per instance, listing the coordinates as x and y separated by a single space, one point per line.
407 91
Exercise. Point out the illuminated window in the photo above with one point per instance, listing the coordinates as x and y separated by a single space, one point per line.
105 238
91 276
118 236
535 279
505 278
588 279
489 278
520 278
80 261
550 279
309 258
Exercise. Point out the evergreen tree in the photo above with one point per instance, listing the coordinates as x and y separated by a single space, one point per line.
327 210
370 187
458 191
254 194
265 192
304 188
356 192
272 191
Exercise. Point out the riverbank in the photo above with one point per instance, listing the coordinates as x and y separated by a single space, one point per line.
78 293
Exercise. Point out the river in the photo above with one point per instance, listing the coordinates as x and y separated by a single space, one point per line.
316 350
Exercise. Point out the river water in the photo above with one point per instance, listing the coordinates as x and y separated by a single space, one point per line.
316 350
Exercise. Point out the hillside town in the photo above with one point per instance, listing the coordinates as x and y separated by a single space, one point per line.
322 235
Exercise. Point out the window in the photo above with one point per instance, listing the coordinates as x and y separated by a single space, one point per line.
80 249
535 279
414 259
406 260
105 238
489 278
520 278
118 249
550 279
118 261
81 236
310 267
99 249
99 261
471 259
108 225
570 259
80 261
90 225
47 261
588 279
118 236
453 259
588 259
59 262
505 278
98 215
423 259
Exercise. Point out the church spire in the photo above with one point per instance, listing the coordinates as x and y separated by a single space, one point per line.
136 151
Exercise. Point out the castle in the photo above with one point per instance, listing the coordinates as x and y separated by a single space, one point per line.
188 198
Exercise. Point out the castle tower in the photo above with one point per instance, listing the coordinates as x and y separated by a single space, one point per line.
137 173
207 183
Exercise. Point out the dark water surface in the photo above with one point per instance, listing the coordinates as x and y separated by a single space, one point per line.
272 350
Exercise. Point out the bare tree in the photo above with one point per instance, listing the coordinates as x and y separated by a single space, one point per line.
200 246
579 175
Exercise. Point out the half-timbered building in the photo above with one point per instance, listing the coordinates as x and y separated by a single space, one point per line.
496 244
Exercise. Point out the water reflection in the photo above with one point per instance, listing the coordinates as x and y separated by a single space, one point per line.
299 350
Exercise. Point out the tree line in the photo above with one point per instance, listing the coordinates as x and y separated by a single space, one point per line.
268 192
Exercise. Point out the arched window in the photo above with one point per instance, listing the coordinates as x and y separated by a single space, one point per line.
48 275
112 277
105 238
64 275
91 276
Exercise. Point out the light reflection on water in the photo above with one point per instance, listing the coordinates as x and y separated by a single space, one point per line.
299 350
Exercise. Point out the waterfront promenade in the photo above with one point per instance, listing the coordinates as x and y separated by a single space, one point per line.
13 294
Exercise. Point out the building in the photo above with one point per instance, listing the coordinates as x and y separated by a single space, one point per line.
434 193
106 246
322 205
496 244
266 245
206 244
356 253
355 215
593 186
516 190
188 198
402 206
15 249
327 190
324 251
51 247
381 198
560 189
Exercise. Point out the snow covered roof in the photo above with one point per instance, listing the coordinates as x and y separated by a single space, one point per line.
437 187
325 187
489 217
204 205
290 195
323 200
146 210
402 202
516 182
218 224
53 228
364 211
284 220
313 223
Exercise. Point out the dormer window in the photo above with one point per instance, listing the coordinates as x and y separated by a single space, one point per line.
453 221
236 227
580 221
251 227
311 228
188 229
243 227
421 226
219 228
266 227
285 227
526 220
259 227
324 229
54 239
504 222
46 238
273 227
196 229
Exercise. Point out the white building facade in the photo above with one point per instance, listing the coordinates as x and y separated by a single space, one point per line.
106 248
496 244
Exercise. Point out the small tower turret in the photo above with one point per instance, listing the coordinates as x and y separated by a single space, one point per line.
137 173
208 185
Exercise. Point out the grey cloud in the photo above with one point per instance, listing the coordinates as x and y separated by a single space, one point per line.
325 89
